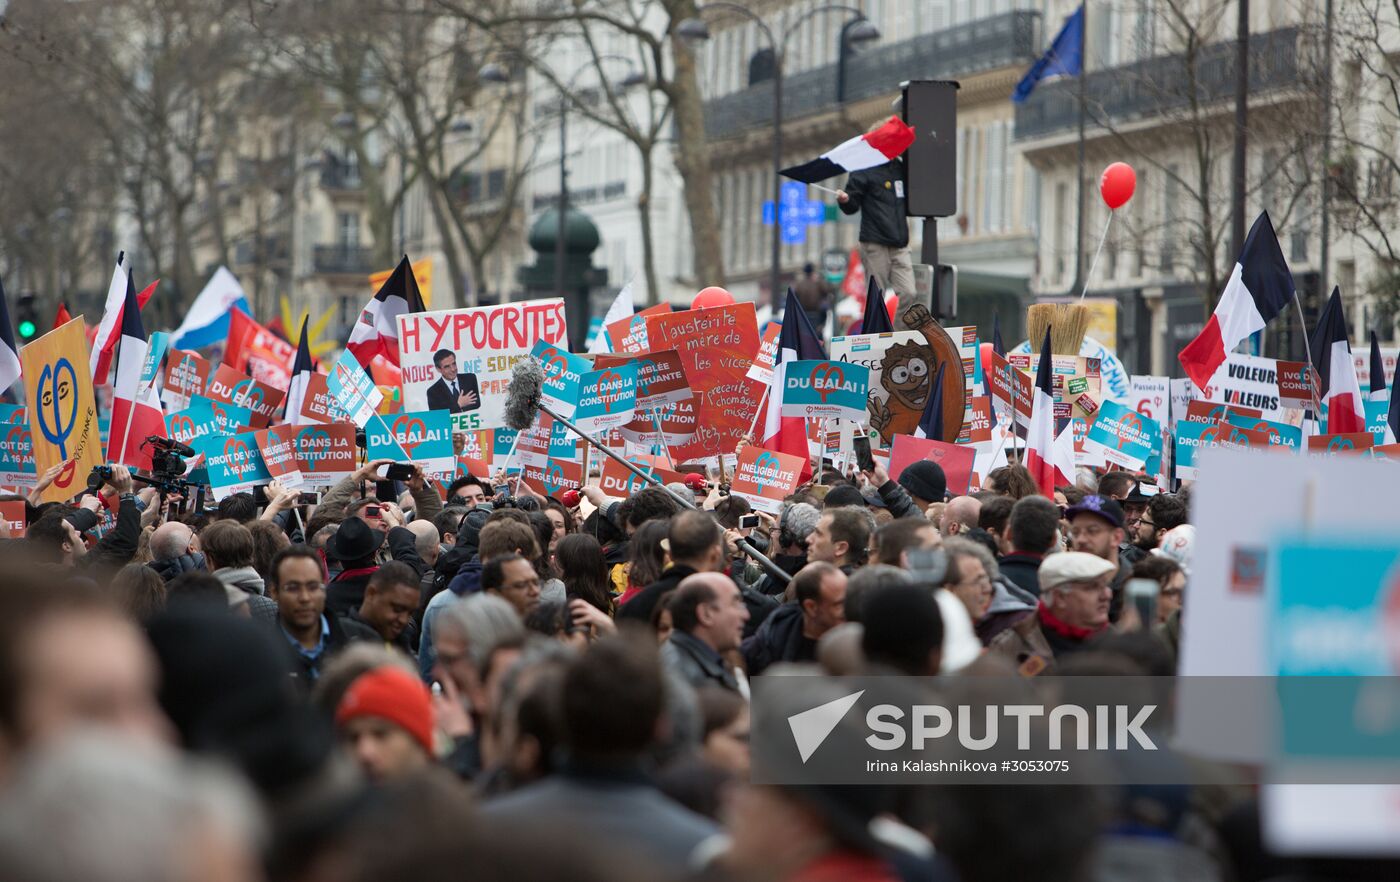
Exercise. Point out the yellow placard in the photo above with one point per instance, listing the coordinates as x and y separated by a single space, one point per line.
1103 321
62 408
422 271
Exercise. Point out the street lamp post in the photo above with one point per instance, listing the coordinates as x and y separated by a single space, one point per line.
859 30
495 73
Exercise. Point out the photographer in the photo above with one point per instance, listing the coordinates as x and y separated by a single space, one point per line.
337 500
58 534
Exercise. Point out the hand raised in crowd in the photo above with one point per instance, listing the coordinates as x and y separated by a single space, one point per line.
594 494
842 197
279 499
877 476
45 480
418 481
391 514
587 617
451 715
370 470
121 479
154 511
90 502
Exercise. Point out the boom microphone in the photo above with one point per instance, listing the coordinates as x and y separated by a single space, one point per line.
523 394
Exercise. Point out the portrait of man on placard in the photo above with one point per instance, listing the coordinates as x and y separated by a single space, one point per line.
452 392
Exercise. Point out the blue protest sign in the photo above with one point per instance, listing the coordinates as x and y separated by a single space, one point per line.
1123 437
228 418
825 390
1377 413
607 398
353 389
1280 434
563 372
234 463
156 347
16 448
426 436
380 442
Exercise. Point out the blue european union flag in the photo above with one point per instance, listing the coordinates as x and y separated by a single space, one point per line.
1065 57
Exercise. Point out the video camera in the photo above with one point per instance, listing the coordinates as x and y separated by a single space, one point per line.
167 467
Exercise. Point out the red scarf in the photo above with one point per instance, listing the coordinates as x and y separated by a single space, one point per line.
1064 629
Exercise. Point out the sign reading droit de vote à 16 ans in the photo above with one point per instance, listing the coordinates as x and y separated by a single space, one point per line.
486 342
228 386
607 398
62 408
1192 436
825 390
563 372
956 460
234 462
764 477
325 453
661 378
277 445
16 448
1123 437
1280 434
353 389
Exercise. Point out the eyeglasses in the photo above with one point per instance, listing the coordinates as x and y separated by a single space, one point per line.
1146 522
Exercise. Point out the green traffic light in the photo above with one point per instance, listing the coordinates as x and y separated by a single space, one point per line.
27 329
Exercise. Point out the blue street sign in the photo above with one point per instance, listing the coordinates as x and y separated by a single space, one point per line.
795 212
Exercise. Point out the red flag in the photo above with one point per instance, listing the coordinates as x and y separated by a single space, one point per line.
62 317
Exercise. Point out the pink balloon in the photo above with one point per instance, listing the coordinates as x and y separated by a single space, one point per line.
711 296
1117 185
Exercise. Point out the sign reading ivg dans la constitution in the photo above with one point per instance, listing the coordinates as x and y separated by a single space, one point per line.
825 389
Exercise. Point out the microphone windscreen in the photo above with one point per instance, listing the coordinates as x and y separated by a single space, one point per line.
523 394
695 481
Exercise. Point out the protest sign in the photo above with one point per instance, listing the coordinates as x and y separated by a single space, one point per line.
763 478
629 335
1361 356
554 478
717 346
234 463
325 453
198 420
484 342
255 350
1386 451
617 480
1192 437
228 386
902 367
380 441
426 436
1008 384
1183 391
762 369
607 398
1296 384
277 445
563 443
563 371
1377 417
661 378
227 418
353 390
16 448
1247 381
156 346
318 405
1076 384
1151 397
1198 411
186 374
1341 444
1279 434
678 424
15 518
979 427
1122 436
825 390
955 459
63 422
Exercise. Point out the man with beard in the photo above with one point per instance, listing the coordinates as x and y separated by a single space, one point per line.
1163 513
1096 527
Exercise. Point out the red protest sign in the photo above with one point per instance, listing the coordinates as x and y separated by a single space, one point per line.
1004 380
186 374
618 480
1341 444
232 387
319 405
629 335
554 478
717 347
1296 382
955 460
764 478
767 357
12 513
979 426
661 378
1198 411
1386 451
278 446
677 427
325 453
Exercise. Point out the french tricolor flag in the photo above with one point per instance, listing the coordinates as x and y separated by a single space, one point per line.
1049 458
136 413
867 151
302 369
1336 370
1259 288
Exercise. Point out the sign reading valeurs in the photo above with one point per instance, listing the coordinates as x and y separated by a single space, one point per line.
825 390
1123 437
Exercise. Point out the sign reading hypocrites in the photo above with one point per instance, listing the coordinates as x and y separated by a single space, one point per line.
485 341
717 347
825 390
63 409
764 477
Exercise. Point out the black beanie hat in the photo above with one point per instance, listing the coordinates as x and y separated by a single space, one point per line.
843 494
925 480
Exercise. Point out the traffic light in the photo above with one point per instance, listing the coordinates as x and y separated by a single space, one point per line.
26 318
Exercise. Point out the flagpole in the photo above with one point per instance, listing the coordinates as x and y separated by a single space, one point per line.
763 399
1307 347
661 437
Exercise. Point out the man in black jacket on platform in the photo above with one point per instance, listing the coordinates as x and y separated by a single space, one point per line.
878 194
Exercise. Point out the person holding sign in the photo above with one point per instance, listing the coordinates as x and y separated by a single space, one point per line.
453 392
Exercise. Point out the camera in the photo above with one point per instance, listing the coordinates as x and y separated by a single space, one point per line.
97 477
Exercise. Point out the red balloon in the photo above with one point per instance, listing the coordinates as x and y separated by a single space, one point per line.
1117 185
711 296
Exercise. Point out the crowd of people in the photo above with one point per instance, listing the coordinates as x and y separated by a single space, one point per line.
483 683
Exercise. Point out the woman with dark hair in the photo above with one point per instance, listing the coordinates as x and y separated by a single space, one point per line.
561 518
1014 481
584 570
647 558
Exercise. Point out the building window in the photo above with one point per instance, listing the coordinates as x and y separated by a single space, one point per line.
1298 239
348 229
1061 224
1169 217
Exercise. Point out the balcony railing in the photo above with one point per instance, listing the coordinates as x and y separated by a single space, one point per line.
339 176
998 41
342 259
1161 86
